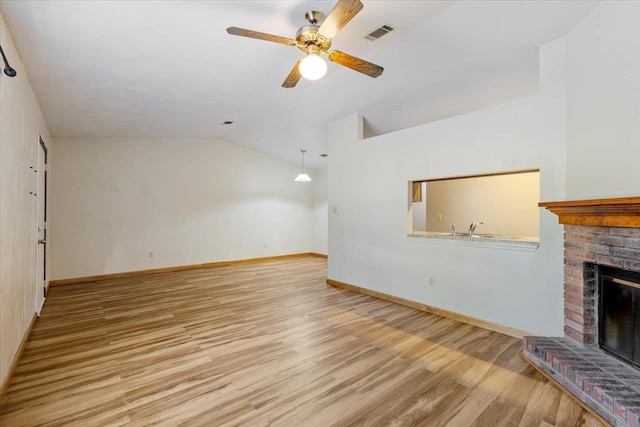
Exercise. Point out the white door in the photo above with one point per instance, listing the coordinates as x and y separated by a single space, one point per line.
41 212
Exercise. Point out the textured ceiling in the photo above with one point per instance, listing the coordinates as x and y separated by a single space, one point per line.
168 68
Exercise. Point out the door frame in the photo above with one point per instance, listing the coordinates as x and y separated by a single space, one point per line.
41 275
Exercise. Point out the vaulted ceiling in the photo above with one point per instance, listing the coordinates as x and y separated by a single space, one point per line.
168 68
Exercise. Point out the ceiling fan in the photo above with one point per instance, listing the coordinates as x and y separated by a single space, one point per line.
314 39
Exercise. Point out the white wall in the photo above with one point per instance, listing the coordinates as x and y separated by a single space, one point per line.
21 123
603 87
368 243
320 214
188 201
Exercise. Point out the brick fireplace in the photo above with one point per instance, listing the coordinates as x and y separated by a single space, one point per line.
585 246
603 232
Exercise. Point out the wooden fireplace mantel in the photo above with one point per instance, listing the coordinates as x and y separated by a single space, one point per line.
618 212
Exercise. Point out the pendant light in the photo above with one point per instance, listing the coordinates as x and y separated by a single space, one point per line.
302 176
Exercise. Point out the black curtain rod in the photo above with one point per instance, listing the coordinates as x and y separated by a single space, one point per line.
7 68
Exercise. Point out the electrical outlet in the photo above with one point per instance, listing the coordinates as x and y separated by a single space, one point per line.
438 217
432 282
334 209
264 246
150 254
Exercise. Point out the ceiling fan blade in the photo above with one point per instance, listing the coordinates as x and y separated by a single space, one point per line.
340 15
357 64
294 76
261 36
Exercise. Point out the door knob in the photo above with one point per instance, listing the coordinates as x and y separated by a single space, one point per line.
42 241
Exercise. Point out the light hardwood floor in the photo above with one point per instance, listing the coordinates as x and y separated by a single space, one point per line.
267 344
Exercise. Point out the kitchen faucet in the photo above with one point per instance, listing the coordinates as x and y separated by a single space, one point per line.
472 227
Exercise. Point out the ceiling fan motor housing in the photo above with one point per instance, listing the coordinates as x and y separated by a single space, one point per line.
309 35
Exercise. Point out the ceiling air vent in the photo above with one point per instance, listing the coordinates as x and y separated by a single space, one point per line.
379 32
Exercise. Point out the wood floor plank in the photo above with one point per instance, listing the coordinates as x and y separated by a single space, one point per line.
267 343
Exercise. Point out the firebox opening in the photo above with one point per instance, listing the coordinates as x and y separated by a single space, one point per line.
619 313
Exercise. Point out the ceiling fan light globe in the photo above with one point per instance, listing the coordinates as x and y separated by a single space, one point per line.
312 67
303 177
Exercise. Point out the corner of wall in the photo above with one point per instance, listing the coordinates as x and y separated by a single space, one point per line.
320 212
22 123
